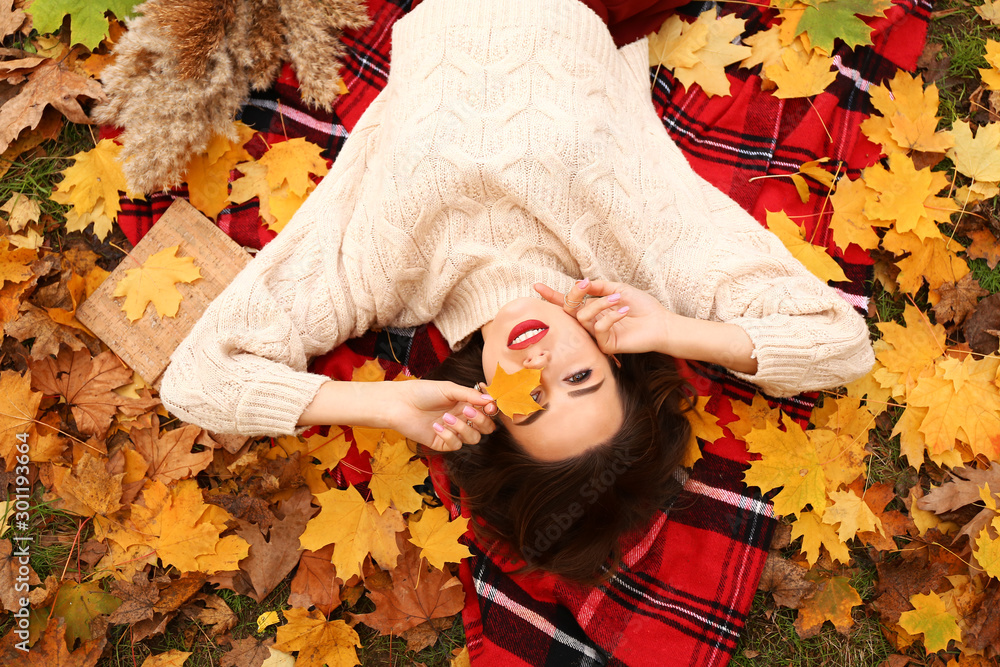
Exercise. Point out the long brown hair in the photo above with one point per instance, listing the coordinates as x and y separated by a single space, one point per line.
566 516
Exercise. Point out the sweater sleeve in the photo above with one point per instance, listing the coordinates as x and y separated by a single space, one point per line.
719 263
805 335
242 368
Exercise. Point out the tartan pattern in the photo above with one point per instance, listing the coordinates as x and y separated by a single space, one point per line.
688 578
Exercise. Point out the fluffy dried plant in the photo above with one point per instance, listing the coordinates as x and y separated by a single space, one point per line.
185 67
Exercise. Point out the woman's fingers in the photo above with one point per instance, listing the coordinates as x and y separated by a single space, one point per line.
590 311
604 324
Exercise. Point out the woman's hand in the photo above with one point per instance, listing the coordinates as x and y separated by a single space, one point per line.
436 413
620 317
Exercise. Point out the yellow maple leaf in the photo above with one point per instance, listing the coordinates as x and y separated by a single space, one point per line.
290 163
21 210
437 537
813 257
790 461
156 281
752 416
712 58
704 425
841 455
77 222
94 179
909 116
977 157
932 261
988 548
814 533
319 641
970 413
990 11
14 264
765 48
675 44
930 618
370 371
991 75
513 392
394 475
904 195
356 529
208 174
849 223
801 74
909 352
853 515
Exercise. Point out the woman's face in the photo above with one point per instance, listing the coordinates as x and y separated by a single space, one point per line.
578 391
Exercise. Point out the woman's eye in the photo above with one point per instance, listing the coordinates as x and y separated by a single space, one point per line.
535 395
582 376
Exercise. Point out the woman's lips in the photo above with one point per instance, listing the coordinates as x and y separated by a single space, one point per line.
521 328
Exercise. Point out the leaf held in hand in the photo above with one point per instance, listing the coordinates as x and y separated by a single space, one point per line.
513 392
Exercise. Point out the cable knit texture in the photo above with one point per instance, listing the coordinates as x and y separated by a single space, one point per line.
513 144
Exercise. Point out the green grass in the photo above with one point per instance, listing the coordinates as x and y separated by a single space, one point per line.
963 36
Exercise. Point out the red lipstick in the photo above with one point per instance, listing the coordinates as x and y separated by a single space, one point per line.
527 325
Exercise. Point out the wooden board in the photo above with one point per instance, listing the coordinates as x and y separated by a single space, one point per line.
146 344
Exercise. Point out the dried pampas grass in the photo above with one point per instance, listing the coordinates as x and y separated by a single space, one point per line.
184 68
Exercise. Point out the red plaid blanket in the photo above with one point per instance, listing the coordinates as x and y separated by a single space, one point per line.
689 577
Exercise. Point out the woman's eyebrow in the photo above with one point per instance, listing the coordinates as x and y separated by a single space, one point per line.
575 393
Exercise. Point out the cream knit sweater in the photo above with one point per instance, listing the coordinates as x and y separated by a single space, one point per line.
513 144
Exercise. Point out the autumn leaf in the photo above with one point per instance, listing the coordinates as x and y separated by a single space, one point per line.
90 489
169 453
991 75
319 642
78 605
675 44
437 537
15 264
765 48
789 461
155 281
825 22
904 195
50 649
86 383
984 246
207 175
990 11
356 528
394 475
513 392
785 580
87 22
289 163
92 183
51 83
801 74
967 410
815 258
20 210
930 618
138 599
711 58
849 223
988 549
978 156
18 407
958 299
909 116
419 593
932 261
315 582
814 533
853 515
752 416
833 600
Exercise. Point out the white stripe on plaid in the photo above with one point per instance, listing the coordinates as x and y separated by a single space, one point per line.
485 590
300 117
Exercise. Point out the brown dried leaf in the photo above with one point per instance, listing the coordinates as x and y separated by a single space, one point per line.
272 558
139 598
316 583
981 323
248 652
419 593
957 300
785 581
169 453
216 613
86 383
51 83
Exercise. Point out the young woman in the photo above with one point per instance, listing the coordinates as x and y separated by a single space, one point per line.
513 165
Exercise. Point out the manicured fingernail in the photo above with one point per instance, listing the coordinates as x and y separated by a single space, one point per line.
438 427
582 284
469 411
623 310
450 418
614 297
487 397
